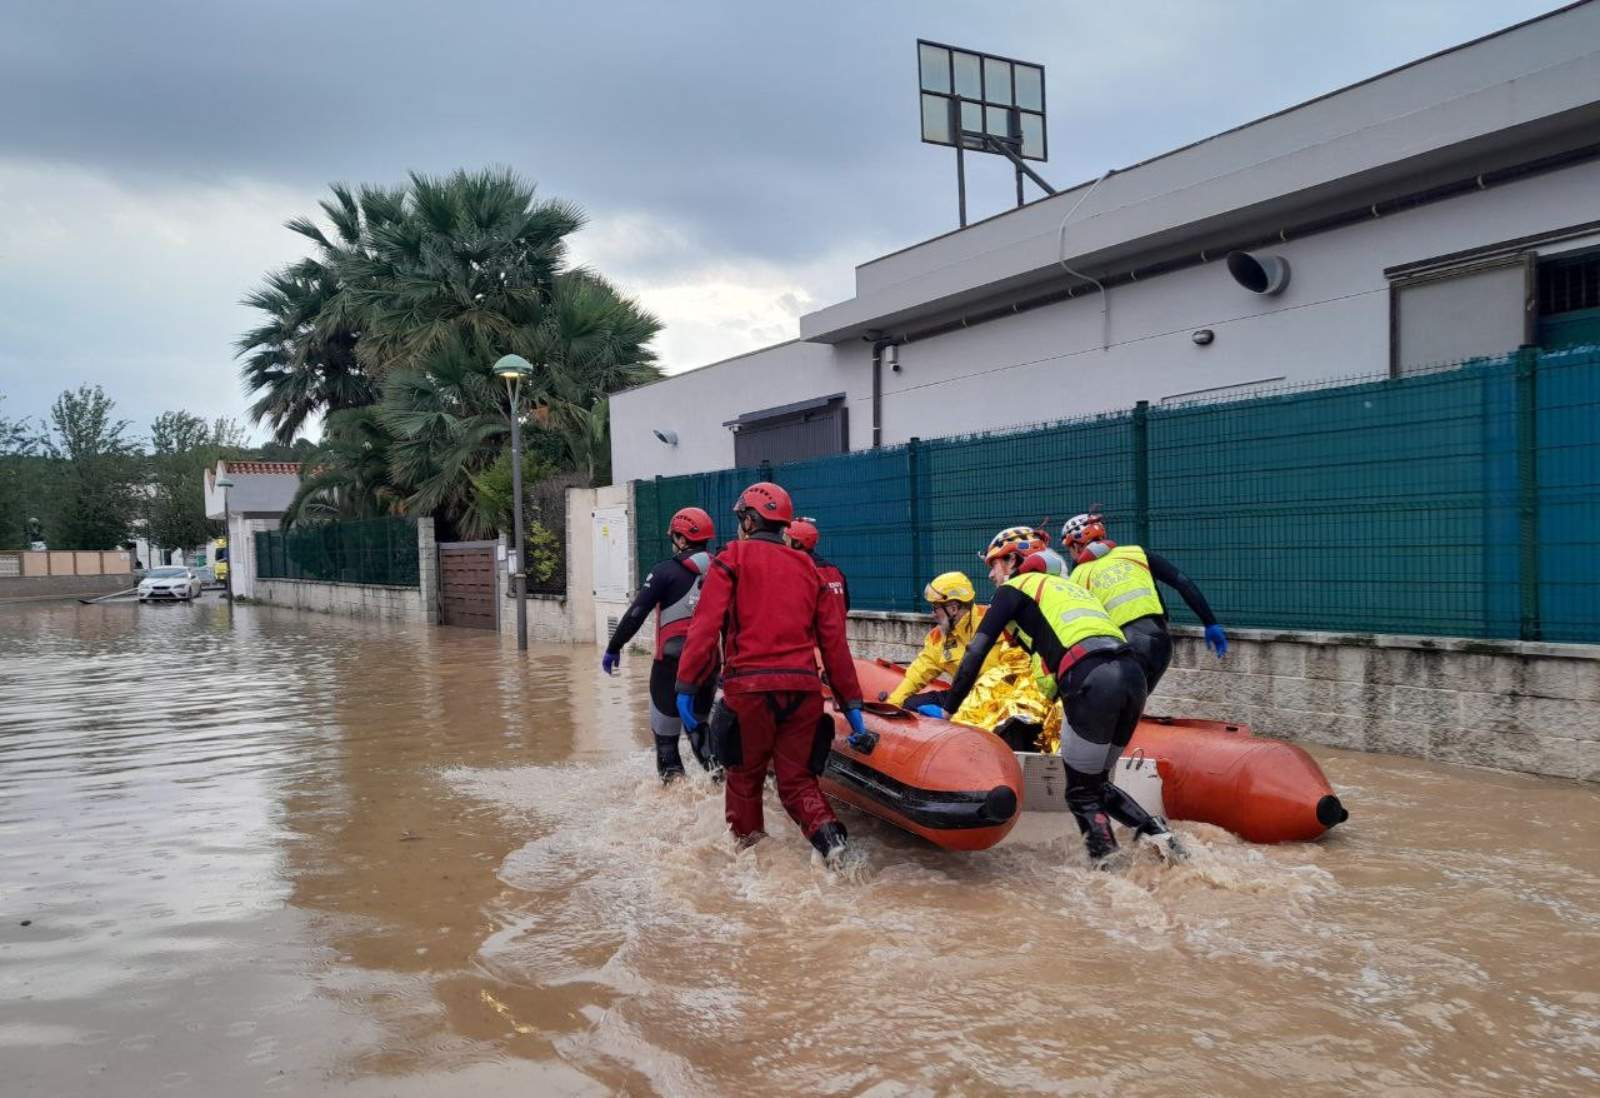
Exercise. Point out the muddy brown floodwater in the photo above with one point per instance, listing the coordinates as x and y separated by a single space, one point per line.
304 855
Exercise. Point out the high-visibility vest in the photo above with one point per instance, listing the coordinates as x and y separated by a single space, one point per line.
1073 613
1121 580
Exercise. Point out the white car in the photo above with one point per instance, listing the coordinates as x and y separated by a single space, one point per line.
168 584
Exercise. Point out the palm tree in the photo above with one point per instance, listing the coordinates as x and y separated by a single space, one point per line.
472 261
412 295
347 476
302 362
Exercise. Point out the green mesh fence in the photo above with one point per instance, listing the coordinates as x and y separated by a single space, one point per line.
377 551
1462 502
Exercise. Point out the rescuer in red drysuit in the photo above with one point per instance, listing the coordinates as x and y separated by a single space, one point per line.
803 534
771 609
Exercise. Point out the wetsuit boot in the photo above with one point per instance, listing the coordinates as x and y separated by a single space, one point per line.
669 764
829 839
1084 800
1130 813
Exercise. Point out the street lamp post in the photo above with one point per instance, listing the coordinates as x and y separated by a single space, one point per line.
515 369
227 528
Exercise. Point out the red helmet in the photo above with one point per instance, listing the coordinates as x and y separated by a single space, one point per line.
1080 530
1021 540
693 523
803 534
767 500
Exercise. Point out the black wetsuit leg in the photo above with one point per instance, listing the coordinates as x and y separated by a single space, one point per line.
1152 644
1104 700
665 724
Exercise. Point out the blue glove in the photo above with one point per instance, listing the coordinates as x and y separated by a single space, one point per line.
931 710
1217 640
860 739
686 712
608 662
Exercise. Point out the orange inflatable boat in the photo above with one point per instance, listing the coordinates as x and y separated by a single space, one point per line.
1263 790
956 786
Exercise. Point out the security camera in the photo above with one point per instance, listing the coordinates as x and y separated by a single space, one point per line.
669 438
891 355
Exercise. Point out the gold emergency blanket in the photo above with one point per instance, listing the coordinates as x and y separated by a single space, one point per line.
1008 690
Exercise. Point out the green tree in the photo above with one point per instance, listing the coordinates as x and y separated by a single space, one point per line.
427 286
22 478
182 447
301 362
98 501
346 476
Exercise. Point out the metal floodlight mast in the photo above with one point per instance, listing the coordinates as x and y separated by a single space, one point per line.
984 103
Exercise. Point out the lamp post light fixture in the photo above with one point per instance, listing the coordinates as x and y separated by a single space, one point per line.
514 370
227 528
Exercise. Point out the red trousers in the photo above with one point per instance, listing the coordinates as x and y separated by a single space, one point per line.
779 728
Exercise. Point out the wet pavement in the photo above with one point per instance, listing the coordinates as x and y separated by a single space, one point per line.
298 854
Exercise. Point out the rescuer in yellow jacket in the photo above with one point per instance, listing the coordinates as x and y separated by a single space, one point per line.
1088 664
1123 578
1005 688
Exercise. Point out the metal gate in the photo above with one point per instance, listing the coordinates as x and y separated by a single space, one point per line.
466 584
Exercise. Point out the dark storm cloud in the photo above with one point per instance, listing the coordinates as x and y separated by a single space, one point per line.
776 134
770 128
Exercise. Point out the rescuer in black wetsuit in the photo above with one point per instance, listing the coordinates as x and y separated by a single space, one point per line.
671 591
1083 659
1123 578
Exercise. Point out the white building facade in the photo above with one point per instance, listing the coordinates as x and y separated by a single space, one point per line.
1438 212
261 492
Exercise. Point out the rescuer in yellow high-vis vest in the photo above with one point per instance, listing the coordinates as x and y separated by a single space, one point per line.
1123 578
1083 657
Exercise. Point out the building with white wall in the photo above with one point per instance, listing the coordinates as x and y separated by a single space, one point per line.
261 493
1444 210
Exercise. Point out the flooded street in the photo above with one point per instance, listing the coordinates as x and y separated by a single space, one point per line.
299 854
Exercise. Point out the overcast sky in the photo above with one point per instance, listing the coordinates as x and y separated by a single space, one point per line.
737 159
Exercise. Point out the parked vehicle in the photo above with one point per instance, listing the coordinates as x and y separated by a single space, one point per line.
169 584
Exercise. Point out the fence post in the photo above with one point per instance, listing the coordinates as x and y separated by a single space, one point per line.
914 497
766 471
1528 489
1141 471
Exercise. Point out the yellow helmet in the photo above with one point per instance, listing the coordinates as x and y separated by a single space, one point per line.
950 587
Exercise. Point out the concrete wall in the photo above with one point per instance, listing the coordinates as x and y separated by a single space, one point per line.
44 587
1332 321
1505 704
355 599
565 619
30 562
419 604
242 531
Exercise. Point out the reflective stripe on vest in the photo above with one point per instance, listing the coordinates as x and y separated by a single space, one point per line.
1073 613
1121 580
672 620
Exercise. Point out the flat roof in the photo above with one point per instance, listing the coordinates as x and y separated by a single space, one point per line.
1538 80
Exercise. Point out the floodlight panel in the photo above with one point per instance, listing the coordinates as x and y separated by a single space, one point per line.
934 62
994 95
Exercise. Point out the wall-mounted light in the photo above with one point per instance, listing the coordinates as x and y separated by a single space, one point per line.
1202 336
667 438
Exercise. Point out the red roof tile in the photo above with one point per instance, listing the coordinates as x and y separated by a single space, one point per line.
268 468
